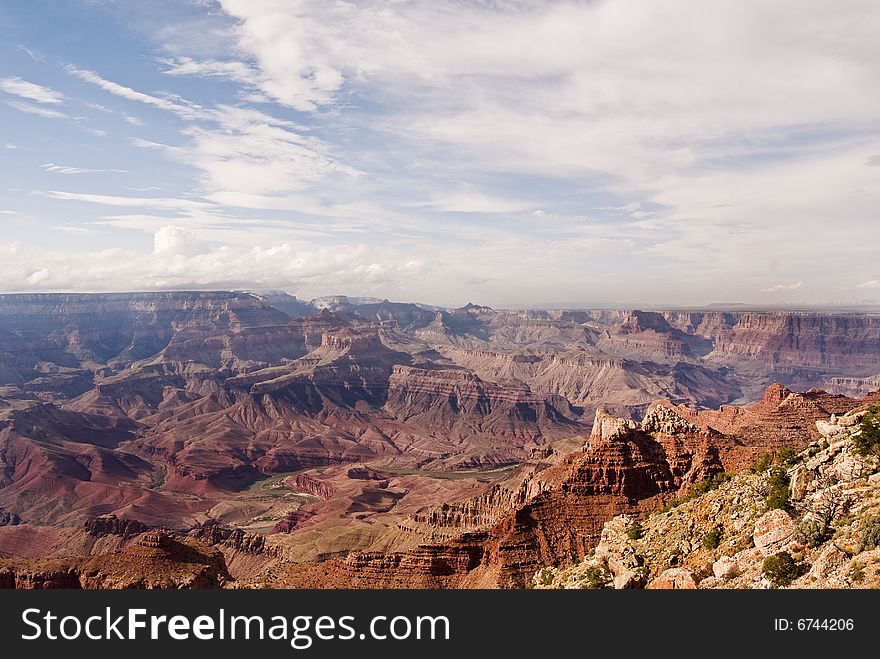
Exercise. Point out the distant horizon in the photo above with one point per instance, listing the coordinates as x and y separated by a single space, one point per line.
536 306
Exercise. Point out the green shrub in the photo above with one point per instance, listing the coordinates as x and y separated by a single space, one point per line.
777 497
596 577
635 531
844 519
732 573
761 464
857 573
869 533
787 456
545 577
697 490
712 539
867 441
669 505
781 569
712 483
812 532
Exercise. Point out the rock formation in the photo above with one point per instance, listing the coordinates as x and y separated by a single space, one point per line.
828 531
154 560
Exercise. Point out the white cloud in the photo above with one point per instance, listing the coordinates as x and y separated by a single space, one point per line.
239 152
175 241
39 276
251 153
36 109
871 283
783 287
63 169
474 201
178 106
180 260
230 69
121 200
30 91
75 230
35 55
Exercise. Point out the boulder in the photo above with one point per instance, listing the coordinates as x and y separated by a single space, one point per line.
828 560
801 477
723 565
774 532
676 578
629 580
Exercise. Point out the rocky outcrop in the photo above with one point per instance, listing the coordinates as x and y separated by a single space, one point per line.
449 398
154 560
310 485
855 387
828 532
233 539
781 418
104 525
675 578
847 341
450 565
23 575
482 511
650 333
293 520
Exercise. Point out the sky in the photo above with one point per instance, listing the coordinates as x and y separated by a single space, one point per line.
501 152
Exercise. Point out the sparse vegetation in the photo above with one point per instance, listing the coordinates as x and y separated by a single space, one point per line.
697 490
596 577
781 569
869 533
635 531
787 456
812 532
545 577
713 483
712 539
777 496
822 515
845 519
867 441
732 573
761 463
857 573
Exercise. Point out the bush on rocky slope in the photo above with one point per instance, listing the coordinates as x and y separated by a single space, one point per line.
810 521
782 568
867 441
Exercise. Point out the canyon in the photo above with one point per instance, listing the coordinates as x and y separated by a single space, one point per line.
250 440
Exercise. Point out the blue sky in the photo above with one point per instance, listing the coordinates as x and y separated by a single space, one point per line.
677 152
